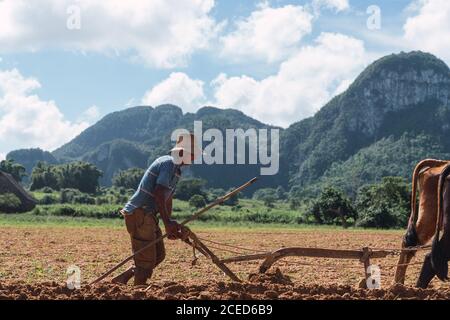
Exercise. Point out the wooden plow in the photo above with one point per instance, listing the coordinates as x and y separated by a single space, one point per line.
270 258
363 256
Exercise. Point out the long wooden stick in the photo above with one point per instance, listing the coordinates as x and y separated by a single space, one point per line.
191 218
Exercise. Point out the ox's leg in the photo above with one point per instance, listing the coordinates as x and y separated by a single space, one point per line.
409 240
440 252
440 257
402 265
428 271
426 274
425 228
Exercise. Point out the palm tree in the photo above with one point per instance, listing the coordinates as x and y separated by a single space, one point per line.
17 170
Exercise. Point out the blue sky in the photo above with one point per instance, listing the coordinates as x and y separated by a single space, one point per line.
277 61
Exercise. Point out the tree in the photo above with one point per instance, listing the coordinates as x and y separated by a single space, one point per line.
332 204
384 205
268 195
17 170
68 195
78 175
269 200
197 201
281 193
128 179
9 203
189 187
262 193
48 199
215 193
43 175
294 204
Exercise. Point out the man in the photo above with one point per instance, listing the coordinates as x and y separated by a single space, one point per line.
153 196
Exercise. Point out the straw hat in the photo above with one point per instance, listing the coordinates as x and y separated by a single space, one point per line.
187 143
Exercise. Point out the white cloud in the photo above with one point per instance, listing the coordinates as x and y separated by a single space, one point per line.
161 33
337 5
2 156
303 84
429 29
268 34
90 115
26 120
177 89
130 103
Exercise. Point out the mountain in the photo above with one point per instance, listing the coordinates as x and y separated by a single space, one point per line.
395 113
406 93
135 137
30 157
389 156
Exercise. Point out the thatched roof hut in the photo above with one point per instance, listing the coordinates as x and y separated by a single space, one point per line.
9 185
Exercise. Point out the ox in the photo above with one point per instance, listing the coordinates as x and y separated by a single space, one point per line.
434 207
436 262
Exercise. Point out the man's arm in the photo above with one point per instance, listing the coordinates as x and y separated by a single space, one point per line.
163 199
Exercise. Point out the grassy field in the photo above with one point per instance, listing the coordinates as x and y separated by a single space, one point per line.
248 214
30 220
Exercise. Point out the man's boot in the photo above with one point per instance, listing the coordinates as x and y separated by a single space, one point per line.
125 276
141 275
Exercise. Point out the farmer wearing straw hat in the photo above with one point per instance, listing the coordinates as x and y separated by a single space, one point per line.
153 196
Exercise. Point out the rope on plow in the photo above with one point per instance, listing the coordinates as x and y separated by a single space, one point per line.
398 250
223 249
233 246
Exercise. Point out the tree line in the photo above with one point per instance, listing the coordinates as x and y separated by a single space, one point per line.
78 175
380 205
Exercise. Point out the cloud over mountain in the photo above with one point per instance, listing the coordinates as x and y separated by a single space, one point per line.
303 83
28 121
429 28
177 89
160 33
268 34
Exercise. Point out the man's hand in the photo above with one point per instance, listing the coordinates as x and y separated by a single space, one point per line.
172 228
175 230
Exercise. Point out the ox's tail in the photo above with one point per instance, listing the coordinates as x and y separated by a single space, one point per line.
438 254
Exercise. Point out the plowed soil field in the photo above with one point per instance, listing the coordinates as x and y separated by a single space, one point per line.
34 261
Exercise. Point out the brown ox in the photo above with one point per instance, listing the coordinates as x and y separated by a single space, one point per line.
427 173
436 262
